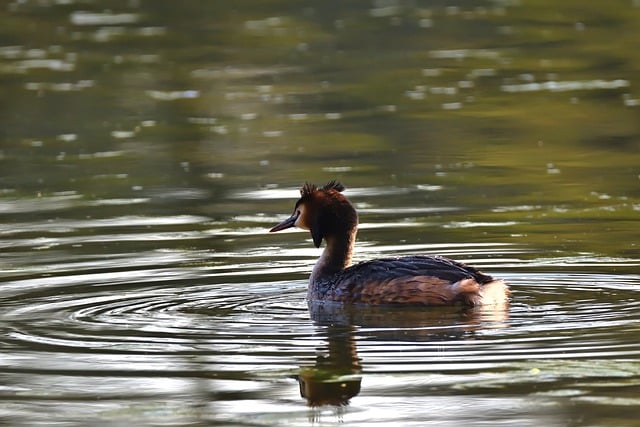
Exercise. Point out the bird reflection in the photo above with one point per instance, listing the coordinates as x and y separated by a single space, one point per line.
336 376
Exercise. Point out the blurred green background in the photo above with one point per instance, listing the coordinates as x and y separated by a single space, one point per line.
521 111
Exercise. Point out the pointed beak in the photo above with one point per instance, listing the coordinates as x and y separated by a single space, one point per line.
287 223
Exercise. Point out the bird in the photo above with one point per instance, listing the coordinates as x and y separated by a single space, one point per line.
423 280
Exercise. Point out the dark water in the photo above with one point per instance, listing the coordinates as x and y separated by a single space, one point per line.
147 147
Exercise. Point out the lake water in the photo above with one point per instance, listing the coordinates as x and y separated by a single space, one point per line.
147 147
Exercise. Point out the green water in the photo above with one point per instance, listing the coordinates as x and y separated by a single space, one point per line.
147 146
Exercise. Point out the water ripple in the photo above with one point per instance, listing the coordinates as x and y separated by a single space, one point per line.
170 319
556 315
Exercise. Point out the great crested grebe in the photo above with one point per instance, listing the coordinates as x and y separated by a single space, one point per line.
411 280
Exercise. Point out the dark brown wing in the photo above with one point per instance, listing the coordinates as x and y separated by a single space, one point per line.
424 280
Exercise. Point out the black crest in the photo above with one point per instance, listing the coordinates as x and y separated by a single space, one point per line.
333 185
308 189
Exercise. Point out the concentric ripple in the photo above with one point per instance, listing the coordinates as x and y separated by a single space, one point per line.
553 315
217 317
174 313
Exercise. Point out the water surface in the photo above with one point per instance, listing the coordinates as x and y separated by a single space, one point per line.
147 147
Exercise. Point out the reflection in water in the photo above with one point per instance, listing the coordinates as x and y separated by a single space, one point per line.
145 147
336 376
